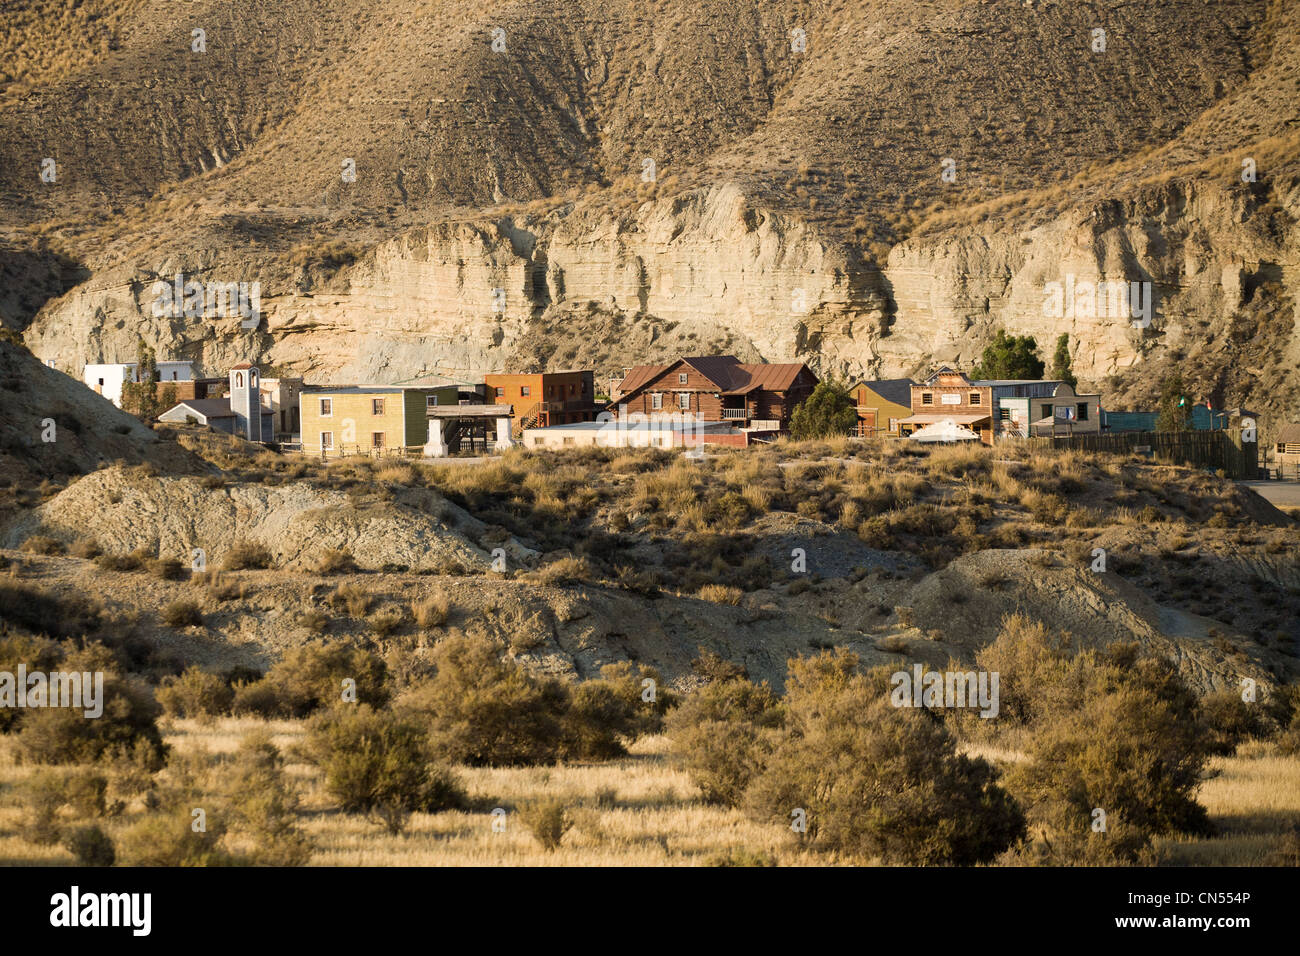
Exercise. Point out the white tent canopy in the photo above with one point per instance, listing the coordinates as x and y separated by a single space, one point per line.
946 430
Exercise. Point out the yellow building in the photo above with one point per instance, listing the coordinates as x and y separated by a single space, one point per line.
881 405
369 419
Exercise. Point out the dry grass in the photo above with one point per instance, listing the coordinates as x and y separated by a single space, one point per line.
636 811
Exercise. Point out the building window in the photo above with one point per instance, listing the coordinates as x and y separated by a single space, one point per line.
501 392
327 439
1004 414
656 400
239 380
974 398
550 391
1047 411
376 406
377 440
568 440
101 383
927 398
430 401
525 391
681 378
683 399
1083 411
893 424
326 407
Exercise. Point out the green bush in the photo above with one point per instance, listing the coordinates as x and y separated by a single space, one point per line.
264 805
484 711
62 735
605 712
168 838
195 693
182 614
875 780
310 677
548 820
717 733
378 762
90 846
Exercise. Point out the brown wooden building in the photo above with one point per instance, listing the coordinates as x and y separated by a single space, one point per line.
542 399
718 388
948 395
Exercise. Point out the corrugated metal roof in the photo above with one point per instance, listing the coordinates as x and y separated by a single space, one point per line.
774 378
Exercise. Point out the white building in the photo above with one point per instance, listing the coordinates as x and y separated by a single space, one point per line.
107 380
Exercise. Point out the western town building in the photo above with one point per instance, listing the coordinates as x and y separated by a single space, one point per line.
107 379
369 419
1286 450
717 388
239 413
544 398
881 405
949 396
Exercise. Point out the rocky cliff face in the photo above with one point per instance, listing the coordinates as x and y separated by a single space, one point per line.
462 297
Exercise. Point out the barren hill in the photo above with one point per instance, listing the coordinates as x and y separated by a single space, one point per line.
797 207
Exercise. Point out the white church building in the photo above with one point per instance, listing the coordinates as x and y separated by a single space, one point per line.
242 413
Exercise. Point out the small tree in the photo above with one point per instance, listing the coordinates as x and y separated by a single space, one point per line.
827 413
377 762
1175 411
1061 361
1009 356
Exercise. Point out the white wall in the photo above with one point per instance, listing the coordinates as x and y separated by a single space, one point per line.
113 377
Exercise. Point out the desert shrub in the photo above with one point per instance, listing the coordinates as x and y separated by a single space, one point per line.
313 676
246 554
548 819
90 846
264 804
716 732
168 838
182 614
85 548
387 622
37 653
123 562
41 544
712 666
47 793
223 588
1131 745
314 621
569 570
877 780
1228 721
721 594
431 611
63 735
378 762
168 569
334 561
740 856
604 712
41 612
195 693
484 711
353 598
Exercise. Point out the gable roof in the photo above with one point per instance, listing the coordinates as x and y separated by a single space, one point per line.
896 390
209 407
724 371
1289 433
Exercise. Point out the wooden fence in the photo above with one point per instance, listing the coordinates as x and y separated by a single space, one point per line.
1201 449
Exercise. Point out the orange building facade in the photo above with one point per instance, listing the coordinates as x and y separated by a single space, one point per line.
542 399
